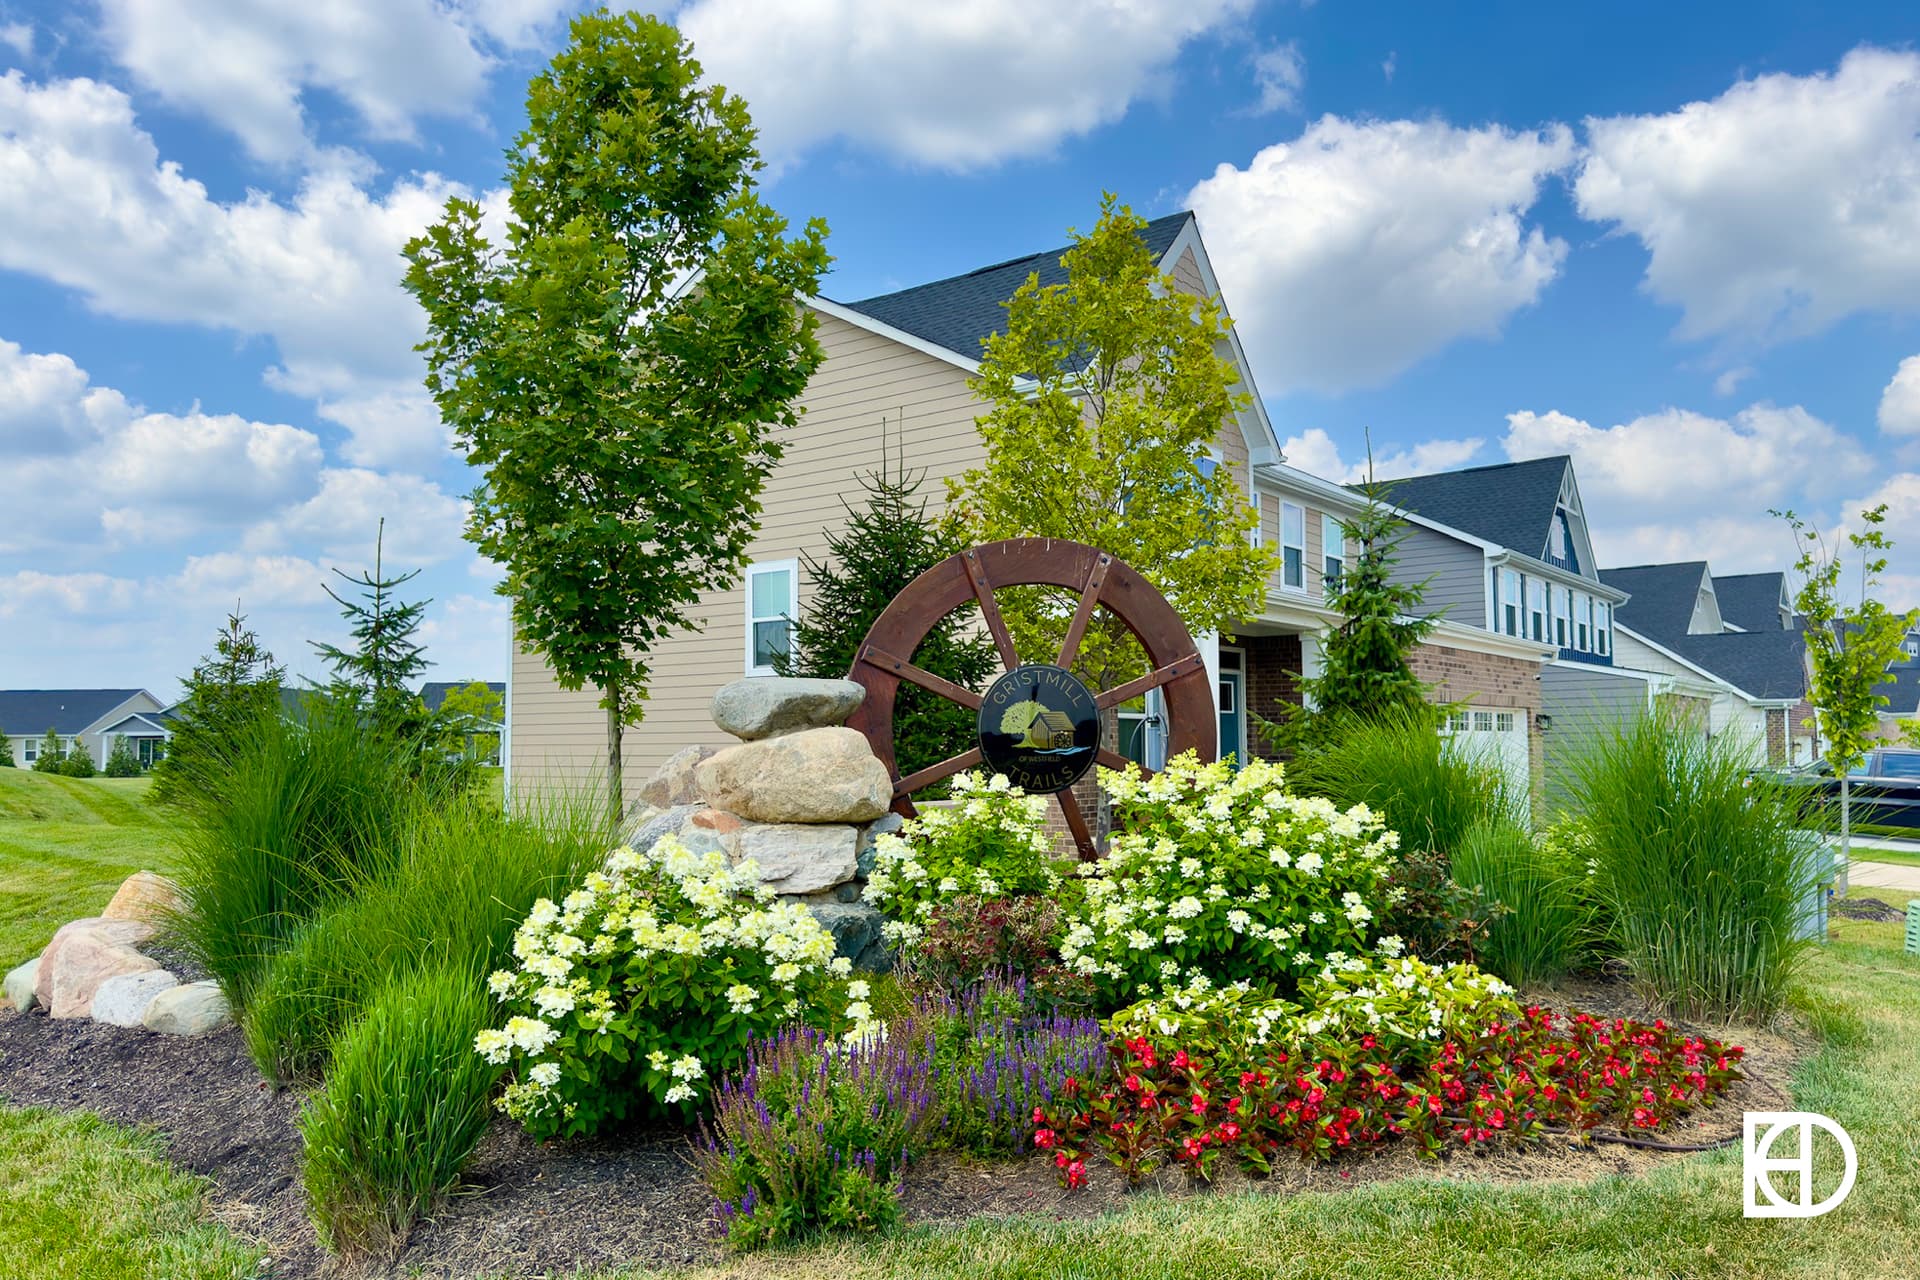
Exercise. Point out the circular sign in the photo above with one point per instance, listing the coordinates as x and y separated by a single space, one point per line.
1040 727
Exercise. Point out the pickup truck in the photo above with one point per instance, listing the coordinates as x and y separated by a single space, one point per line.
1884 788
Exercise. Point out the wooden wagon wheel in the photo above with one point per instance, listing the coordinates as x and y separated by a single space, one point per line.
883 659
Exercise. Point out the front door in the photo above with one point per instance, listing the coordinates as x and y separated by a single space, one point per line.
1233 716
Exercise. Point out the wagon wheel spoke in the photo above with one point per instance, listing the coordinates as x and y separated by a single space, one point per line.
996 625
874 655
1152 680
934 772
1076 822
1089 597
1114 760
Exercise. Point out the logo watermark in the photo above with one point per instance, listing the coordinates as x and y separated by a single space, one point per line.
1758 1164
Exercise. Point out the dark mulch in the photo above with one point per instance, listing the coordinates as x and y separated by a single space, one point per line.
636 1200
1866 909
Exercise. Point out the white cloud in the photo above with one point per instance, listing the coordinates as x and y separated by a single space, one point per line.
1279 73
1900 402
256 581
1390 65
1901 494
1679 485
946 85
1729 380
1359 248
247 67
86 201
1776 208
342 520
18 36
1315 451
30 593
467 638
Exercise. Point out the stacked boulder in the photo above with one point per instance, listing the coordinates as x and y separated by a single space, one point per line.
800 794
94 968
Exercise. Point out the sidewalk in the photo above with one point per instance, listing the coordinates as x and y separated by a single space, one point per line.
1884 875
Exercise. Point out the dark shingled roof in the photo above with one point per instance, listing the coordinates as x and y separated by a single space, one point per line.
434 692
1664 596
1902 691
1510 504
1750 601
1761 664
65 711
960 313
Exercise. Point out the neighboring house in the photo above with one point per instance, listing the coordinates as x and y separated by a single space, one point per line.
434 694
96 717
1733 634
895 381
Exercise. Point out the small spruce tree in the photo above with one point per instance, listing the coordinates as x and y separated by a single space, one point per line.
227 690
79 761
51 754
376 674
122 761
6 752
885 545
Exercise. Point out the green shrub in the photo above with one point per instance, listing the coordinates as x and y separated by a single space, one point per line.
79 762
122 762
1398 764
403 1107
1222 876
1702 871
1440 921
464 879
1541 933
969 939
650 981
991 842
294 817
51 754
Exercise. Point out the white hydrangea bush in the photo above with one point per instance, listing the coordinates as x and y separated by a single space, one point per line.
991 841
1215 876
649 982
1403 1002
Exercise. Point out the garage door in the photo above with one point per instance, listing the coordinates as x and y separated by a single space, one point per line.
1496 736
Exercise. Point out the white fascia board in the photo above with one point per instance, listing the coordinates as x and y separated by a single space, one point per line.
1282 480
120 712
1719 682
1541 569
1189 238
1458 635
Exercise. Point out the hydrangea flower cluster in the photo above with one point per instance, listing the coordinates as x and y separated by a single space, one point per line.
991 842
1222 876
649 980
1404 1004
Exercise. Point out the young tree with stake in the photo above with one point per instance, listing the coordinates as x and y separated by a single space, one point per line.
620 364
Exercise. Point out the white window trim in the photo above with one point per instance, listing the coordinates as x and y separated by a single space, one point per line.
1582 603
29 749
1516 599
1561 596
792 569
1544 613
1333 534
1286 546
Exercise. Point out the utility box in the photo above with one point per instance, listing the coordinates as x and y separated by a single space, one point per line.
1913 926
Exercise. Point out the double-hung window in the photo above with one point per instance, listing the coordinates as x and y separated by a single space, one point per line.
1583 623
1293 546
29 750
1562 611
1333 550
1603 629
1509 618
772 602
1537 609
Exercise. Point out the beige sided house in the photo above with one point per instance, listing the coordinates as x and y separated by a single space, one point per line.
895 378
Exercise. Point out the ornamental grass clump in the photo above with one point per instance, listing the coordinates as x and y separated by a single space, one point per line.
651 979
1220 877
403 1106
814 1133
991 842
1001 1048
1702 870
1541 931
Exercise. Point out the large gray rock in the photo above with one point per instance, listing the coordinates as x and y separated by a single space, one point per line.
885 824
709 831
797 858
646 826
123 1001
84 954
673 783
767 706
819 775
19 985
856 934
192 1010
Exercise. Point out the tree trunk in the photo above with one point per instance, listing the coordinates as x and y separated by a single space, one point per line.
1846 834
616 799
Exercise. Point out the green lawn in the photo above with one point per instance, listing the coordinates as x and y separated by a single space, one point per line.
65 846
78 1197
1900 857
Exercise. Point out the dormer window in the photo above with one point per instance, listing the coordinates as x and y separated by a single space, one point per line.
1560 544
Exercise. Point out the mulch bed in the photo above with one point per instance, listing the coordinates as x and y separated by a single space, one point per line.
1866 909
635 1200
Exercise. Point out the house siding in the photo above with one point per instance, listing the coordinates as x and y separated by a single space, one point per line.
1455 574
558 737
1584 701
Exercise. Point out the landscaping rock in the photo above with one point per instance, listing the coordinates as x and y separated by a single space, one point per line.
143 896
191 1010
84 954
766 707
647 825
819 775
797 858
123 1001
856 934
707 831
673 783
19 985
885 824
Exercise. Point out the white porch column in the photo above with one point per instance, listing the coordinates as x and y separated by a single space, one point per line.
1309 662
1209 645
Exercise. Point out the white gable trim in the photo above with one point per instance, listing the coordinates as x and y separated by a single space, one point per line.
1717 681
1570 499
1268 448
860 320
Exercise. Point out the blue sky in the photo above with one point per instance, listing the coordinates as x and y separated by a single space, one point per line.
1679 242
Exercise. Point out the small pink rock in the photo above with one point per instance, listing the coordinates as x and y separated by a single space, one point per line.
84 954
716 820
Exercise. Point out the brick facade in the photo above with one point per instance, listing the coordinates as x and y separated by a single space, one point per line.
1776 735
1273 663
1486 681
